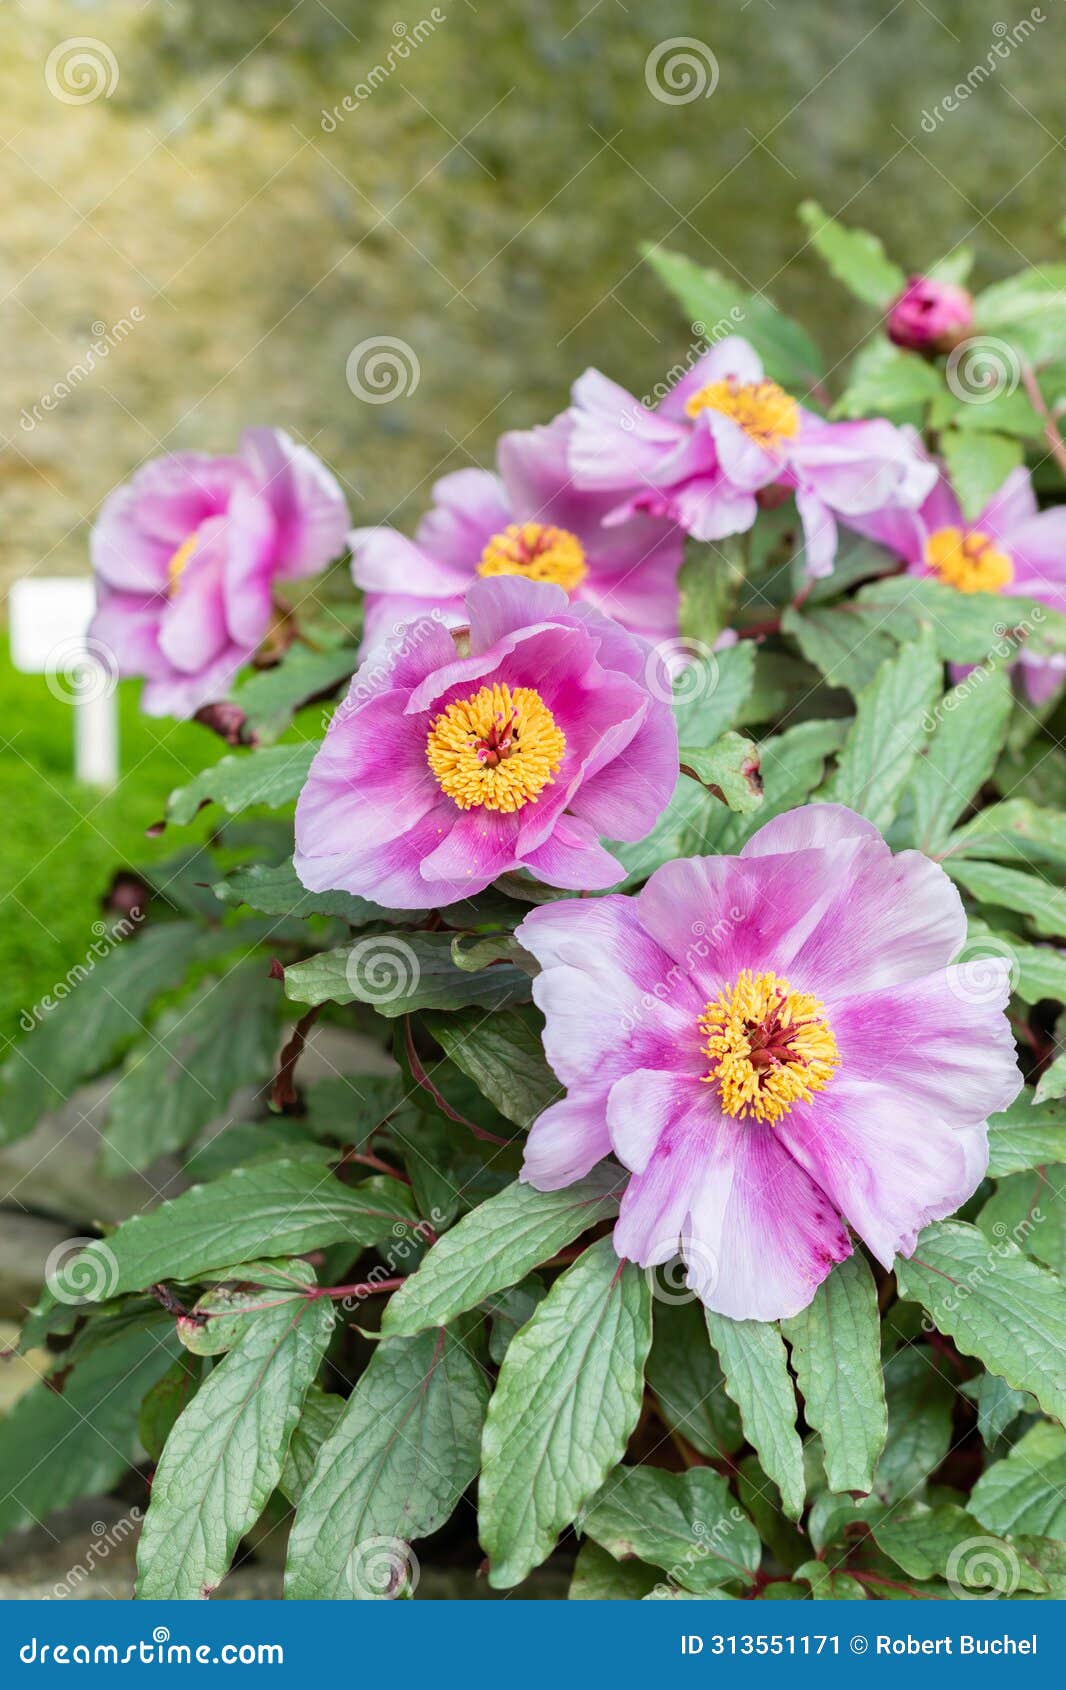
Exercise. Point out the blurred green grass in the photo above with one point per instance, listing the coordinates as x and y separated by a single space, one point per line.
61 842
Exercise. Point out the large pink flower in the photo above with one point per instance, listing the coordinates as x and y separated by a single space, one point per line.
1012 547
441 771
774 1044
186 555
528 521
722 435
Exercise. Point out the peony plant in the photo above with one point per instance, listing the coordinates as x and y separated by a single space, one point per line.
670 836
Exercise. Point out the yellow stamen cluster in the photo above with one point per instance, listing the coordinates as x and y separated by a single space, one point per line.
499 748
179 562
768 1047
969 562
538 552
766 413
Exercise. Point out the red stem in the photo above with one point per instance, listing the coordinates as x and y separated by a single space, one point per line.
422 1079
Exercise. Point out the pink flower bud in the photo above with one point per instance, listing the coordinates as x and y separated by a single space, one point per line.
930 316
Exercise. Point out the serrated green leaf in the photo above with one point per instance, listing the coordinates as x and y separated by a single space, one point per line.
1029 309
971 725
1040 901
274 776
283 1207
59 1445
855 257
836 1354
947 1542
998 1405
979 464
271 697
1016 831
318 1421
884 380
276 891
729 769
829 1585
394 1468
226 1452
714 305
890 726
920 1401
166 1401
848 643
755 1365
495 1246
567 1400
193 1061
686 1523
1030 1209
598 1577
687 1381
397 973
708 583
1026 1135
1026 1492
504 1057
710 693
995 1303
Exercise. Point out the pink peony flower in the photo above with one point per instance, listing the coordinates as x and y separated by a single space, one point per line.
527 521
930 316
186 555
774 1045
442 771
721 436
1012 547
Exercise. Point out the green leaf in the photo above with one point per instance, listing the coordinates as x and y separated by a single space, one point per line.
709 581
890 725
1025 1136
685 1376
567 1400
504 1057
710 693
271 697
598 1577
1030 1209
165 1401
978 465
273 777
686 1523
277 891
397 973
971 725
495 1246
836 1353
226 1453
1015 831
854 256
954 267
59 1445
400 1457
317 1422
1026 1492
998 1405
282 1207
884 380
829 1585
947 1542
188 1069
100 1010
920 1402
716 307
1043 904
508 1311
729 769
995 1303
1029 308
755 1364
848 643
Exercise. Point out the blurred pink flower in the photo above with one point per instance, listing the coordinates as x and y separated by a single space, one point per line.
930 316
